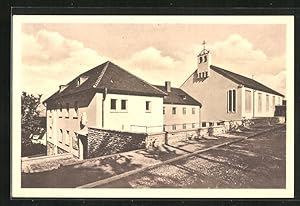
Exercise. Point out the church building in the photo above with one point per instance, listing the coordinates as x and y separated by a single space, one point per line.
226 95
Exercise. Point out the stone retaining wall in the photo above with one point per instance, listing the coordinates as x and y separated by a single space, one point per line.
104 142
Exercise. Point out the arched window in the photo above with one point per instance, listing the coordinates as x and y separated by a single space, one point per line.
205 59
200 59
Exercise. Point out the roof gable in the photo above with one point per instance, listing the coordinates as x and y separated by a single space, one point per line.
176 97
247 82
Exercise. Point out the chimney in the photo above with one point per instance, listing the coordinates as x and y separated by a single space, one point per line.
168 86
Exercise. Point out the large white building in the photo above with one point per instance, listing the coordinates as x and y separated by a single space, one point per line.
106 97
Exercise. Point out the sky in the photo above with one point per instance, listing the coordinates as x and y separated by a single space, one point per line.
54 54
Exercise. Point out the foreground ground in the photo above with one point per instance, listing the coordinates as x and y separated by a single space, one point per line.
257 162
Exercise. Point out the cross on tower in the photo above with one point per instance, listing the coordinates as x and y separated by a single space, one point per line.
204 42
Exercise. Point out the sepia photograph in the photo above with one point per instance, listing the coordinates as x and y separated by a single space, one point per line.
138 106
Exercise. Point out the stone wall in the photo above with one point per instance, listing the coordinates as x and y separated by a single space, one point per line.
104 142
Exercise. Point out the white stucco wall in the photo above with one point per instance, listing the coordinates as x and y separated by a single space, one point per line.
264 112
179 118
136 114
72 123
212 93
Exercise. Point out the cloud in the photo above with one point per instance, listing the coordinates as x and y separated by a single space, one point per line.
239 54
50 59
152 58
276 82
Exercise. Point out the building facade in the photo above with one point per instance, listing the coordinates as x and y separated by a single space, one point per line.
106 97
228 96
180 110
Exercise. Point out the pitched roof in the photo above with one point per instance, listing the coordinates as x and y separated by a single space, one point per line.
247 82
114 78
178 96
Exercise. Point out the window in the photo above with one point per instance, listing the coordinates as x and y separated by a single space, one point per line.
173 110
259 103
113 104
164 128
211 124
273 101
231 100
193 125
123 104
50 132
205 58
200 60
148 106
60 111
248 106
67 110
164 110
184 126
203 124
183 110
206 74
67 138
267 103
174 127
193 111
75 110
60 135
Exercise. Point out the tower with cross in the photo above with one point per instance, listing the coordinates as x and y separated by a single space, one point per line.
204 62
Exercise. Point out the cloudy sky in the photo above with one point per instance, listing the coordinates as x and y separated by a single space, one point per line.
54 54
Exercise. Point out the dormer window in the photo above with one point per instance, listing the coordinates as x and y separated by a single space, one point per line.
81 80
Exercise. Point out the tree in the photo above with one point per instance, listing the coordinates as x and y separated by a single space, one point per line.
30 123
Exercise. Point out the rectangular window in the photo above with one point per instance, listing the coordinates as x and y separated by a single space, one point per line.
193 111
267 103
75 110
67 110
231 97
259 103
203 124
164 110
50 132
60 136
193 125
184 110
173 110
113 104
60 111
211 124
184 126
174 127
148 106
67 138
123 104
248 101
273 101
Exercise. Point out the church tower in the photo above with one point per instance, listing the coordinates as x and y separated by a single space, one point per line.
204 62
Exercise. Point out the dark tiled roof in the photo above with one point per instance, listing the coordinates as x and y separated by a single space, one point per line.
114 78
247 82
176 96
